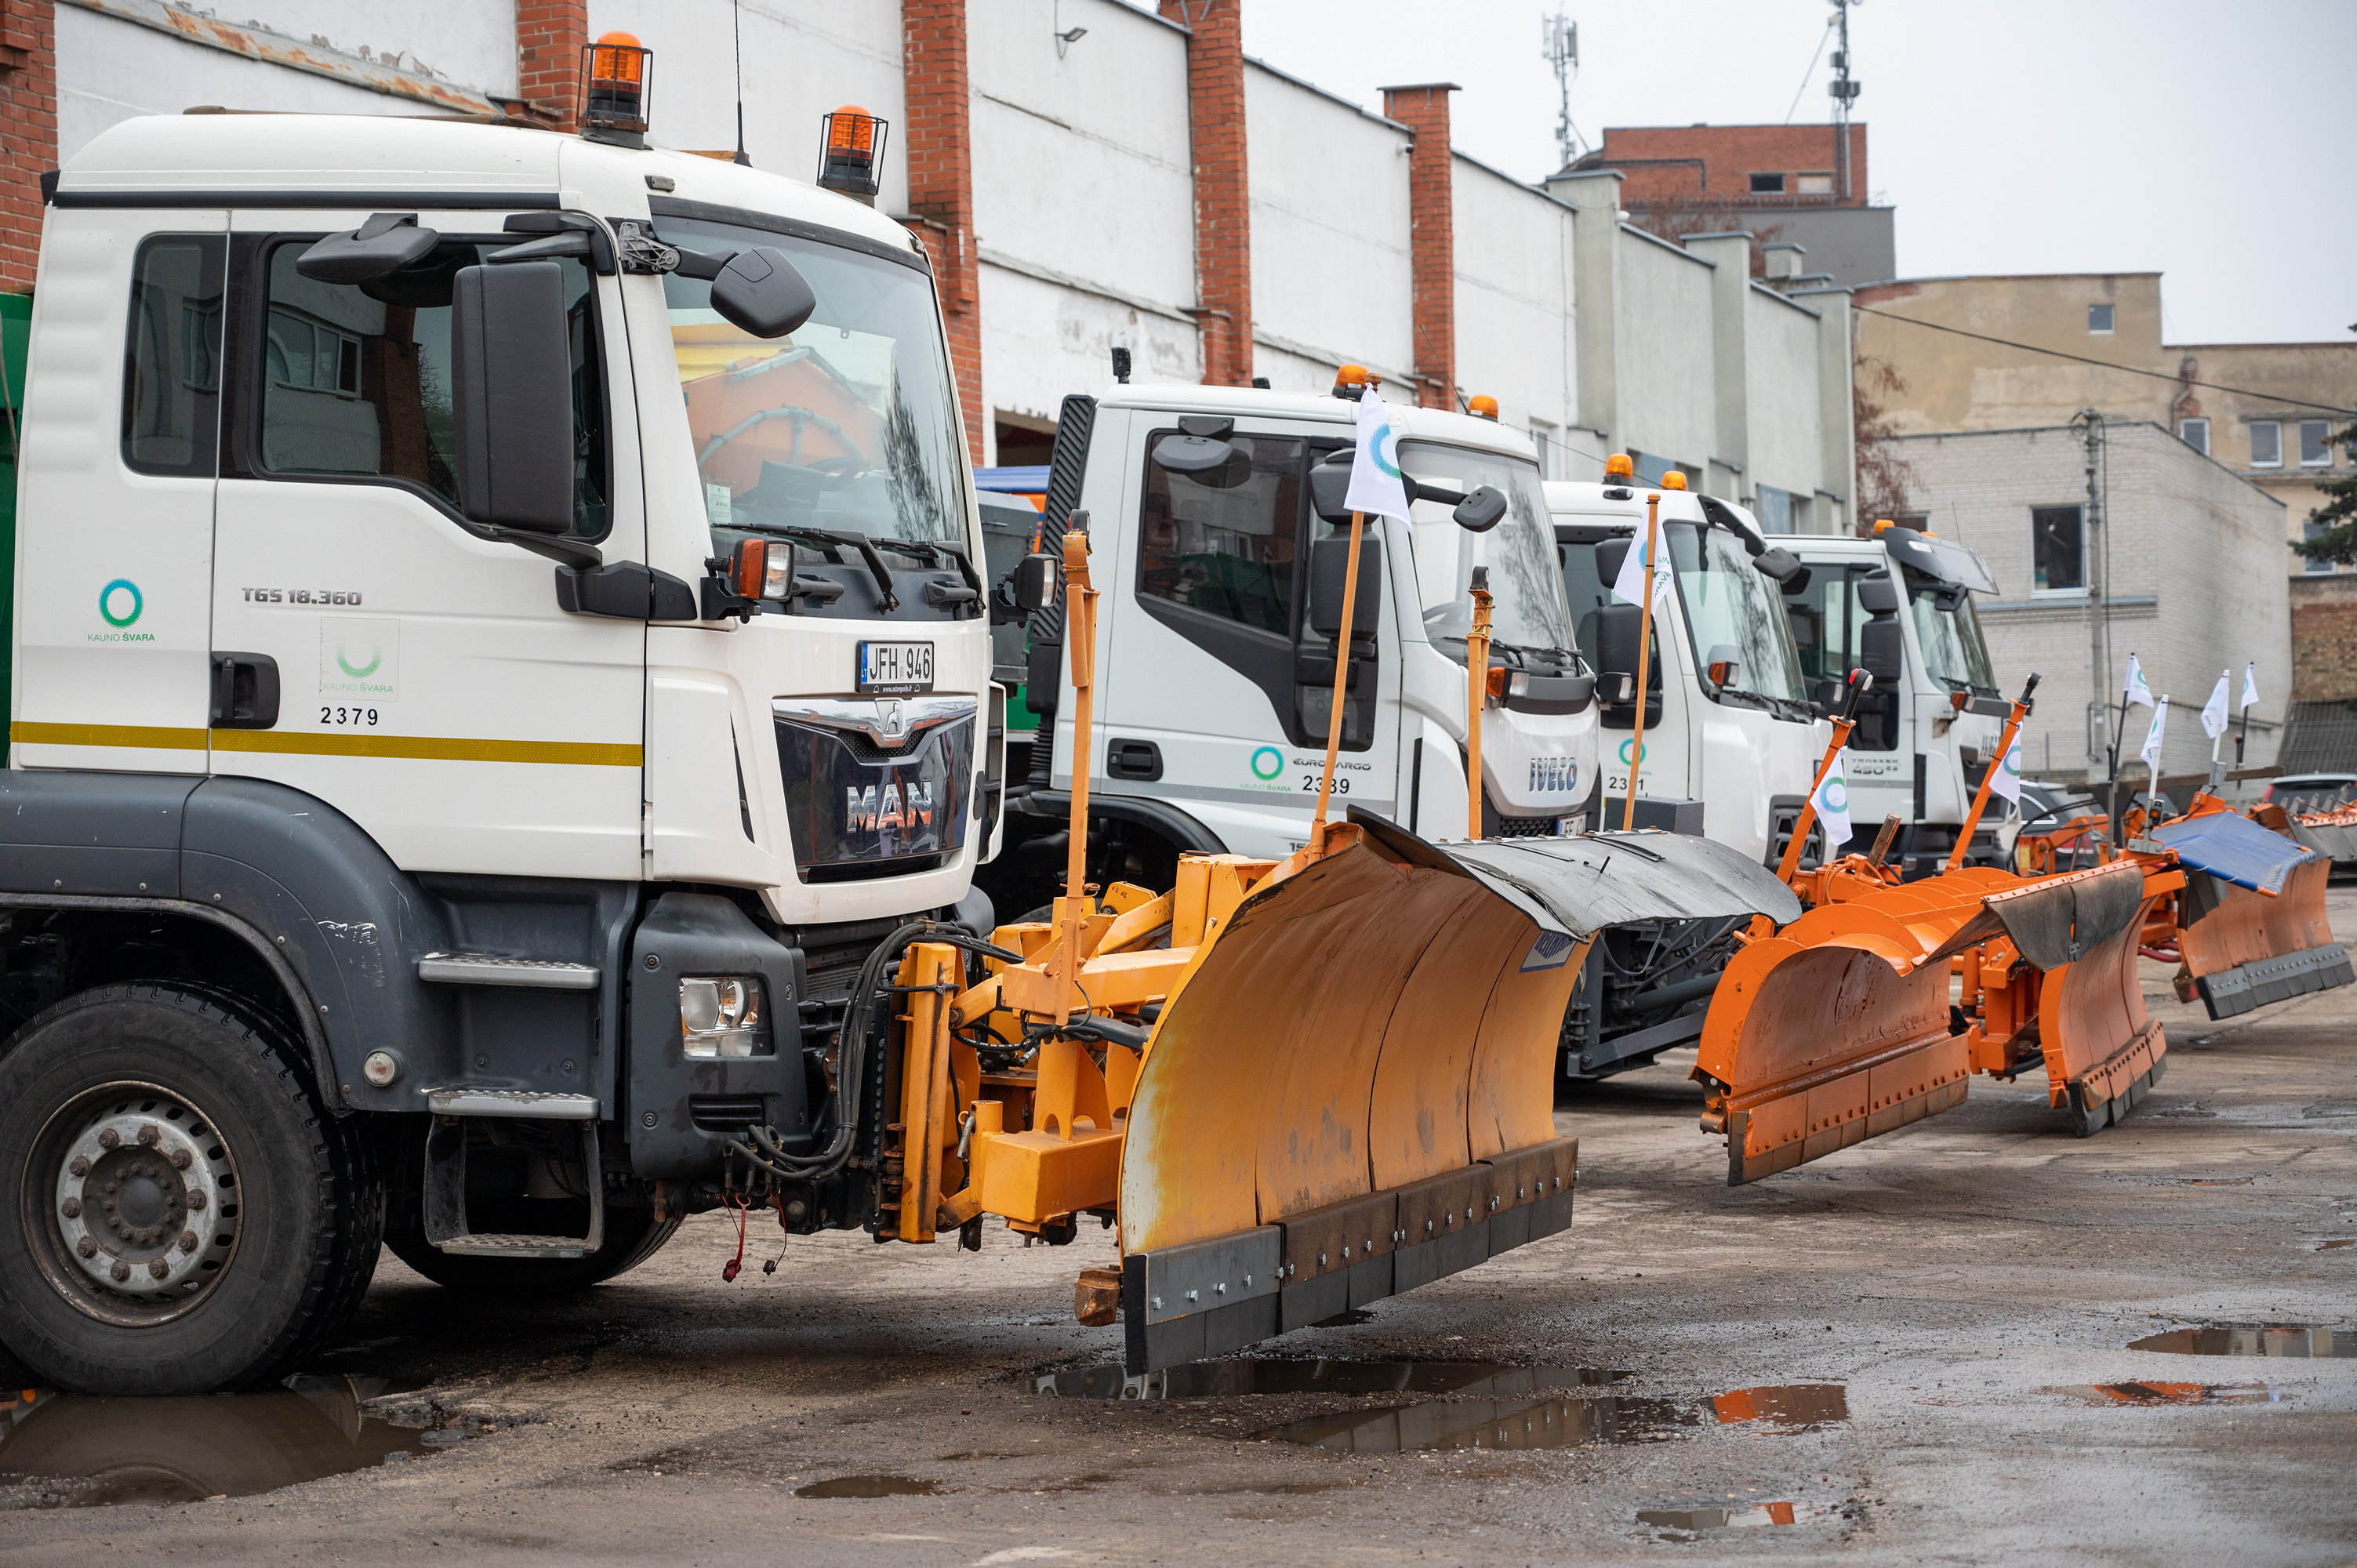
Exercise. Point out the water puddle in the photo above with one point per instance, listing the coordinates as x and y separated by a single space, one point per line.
1222 1379
871 1486
1564 1424
87 1451
2298 1340
2172 1393
1693 1521
2336 1244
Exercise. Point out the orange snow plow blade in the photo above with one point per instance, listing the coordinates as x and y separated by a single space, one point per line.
1839 1028
2251 922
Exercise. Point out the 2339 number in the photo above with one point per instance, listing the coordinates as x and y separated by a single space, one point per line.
348 718
1342 784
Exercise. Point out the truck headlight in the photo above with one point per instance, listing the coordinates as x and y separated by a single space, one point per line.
720 1015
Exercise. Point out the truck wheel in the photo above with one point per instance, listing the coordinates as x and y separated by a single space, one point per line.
632 1236
178 1214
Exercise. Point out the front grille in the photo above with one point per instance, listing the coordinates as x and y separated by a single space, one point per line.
857 809
1526 828
726 1112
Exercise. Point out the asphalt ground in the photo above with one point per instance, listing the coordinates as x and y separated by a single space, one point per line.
1918 1346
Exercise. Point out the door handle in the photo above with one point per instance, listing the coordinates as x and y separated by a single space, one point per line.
245 691
1138 760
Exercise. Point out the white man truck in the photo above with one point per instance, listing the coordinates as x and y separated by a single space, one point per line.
498 658
1899 606
1731 740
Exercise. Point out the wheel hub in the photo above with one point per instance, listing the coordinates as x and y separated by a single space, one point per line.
145 1199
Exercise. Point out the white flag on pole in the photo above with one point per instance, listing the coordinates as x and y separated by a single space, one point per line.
1375 487
2250 685
1832 801
2135 691
2151 752
2214 711
2008 781
1628 584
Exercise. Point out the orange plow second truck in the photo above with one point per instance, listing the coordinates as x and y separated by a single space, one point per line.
2250 925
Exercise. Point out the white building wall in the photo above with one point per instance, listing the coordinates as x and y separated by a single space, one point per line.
2196 584
801 59
1514 338
1083 191
1332 280
1785 417
1662 352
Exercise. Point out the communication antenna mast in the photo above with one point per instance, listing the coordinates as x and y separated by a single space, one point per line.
1844 89
1560 37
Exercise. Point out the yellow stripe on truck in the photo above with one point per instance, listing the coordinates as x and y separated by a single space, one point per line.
415 749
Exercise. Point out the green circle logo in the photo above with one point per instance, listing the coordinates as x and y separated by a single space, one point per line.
107 602
376 656
1836 798
1629 750
1267 762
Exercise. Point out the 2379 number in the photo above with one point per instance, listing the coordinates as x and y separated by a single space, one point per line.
348 718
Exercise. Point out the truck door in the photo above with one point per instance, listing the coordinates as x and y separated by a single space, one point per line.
119 444
381 652
1218 689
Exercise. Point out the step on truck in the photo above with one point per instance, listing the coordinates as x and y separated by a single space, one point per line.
498 653
1898 604
1731 735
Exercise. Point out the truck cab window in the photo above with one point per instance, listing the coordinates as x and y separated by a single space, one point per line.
171 369
355 378
1223 543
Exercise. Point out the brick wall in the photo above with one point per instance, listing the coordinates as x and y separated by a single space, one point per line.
1714 163
2324 640
29 132
550 37
939 143
1215 118
1432 252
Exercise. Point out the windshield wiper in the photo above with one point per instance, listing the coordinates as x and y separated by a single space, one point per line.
859 542
930 551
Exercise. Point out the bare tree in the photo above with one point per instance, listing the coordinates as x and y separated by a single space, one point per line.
1884 475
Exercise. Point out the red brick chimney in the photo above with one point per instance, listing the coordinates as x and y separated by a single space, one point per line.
938 139
550 37
29 132
1215 115
1432 250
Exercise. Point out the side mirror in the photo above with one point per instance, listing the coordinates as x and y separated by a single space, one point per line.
1617 687
1194 455
1329 482
1480 512
1780 565
1329 561
1878 595
1035 582
387 242
757 290
1612 555
511 396
1882 649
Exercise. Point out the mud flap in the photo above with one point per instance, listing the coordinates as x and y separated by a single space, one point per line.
2255 928
1351 1092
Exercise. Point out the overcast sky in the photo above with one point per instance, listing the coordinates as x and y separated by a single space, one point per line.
2211 143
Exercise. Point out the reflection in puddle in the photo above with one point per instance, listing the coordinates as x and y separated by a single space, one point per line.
1493 1423
1788 1407
2335 1245
1717 1518
871 1486
2174 1394
98 1451
2253 1340
1216 1380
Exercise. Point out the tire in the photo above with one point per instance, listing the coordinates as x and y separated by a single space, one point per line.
632 1236
216 1134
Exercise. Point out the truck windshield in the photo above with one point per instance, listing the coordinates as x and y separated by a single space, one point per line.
1954 653
1734 613
1529 628
845 426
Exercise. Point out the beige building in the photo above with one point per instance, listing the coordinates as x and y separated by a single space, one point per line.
2189 582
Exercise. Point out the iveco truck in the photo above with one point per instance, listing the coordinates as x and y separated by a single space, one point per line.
499 656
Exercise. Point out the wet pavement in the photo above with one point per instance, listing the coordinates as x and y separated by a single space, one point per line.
1976 1339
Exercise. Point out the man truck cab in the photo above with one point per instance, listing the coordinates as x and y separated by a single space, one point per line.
1898 604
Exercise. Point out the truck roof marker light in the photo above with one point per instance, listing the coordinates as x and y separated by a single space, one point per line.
851 147
1673 480
615 72
1619 466
1484 406
1351 381
1883 525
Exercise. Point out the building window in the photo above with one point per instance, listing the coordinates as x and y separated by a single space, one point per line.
2315 443
2266 444
1767 185
2057 563
2099 318
1650 469
2310 530
1775 509
2195 433
1813 184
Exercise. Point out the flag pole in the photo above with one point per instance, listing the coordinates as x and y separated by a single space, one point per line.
1477 693
1644 661
1341 684
2021 706
2243 735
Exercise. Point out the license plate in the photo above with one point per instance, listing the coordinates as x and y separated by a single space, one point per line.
896 667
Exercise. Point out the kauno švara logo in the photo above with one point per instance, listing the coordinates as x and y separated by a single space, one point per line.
1385 449
358 671
1267 762
120 603
1629 751
1837 796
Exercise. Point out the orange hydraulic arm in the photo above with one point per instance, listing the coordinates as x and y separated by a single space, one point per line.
2021 706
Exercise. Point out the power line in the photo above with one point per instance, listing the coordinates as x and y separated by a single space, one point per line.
2108 365
1810 72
